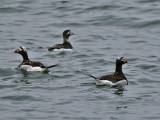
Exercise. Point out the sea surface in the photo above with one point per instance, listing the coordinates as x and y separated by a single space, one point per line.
103 31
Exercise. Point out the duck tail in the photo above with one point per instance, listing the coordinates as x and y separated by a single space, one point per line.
88 74
50 48
52 66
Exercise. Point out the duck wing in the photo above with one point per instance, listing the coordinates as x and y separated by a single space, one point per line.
34 64
57 46
113 78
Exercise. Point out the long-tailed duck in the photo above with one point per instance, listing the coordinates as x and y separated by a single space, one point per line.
66 44
29 65
118 78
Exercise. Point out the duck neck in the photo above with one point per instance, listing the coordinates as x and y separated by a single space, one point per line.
65 39
25 56
118 69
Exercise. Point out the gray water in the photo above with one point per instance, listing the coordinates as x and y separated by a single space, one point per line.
104 30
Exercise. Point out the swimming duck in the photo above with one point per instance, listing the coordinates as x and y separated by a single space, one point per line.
29 65
66 44
118 78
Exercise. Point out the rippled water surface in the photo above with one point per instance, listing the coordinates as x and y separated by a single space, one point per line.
104 30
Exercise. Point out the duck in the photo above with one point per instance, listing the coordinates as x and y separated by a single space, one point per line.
66 44
116 79
29 65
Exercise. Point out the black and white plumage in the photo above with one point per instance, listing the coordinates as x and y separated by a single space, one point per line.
66 44
29 65
118 78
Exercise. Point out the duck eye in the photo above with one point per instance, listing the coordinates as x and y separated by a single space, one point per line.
123 60
19 49
68 32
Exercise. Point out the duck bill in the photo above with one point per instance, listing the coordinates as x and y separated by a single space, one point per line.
15 51
72 34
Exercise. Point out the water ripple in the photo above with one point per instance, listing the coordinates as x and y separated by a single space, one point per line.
13 10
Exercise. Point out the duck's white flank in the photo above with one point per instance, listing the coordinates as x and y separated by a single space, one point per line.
63 49
30 68
109 83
